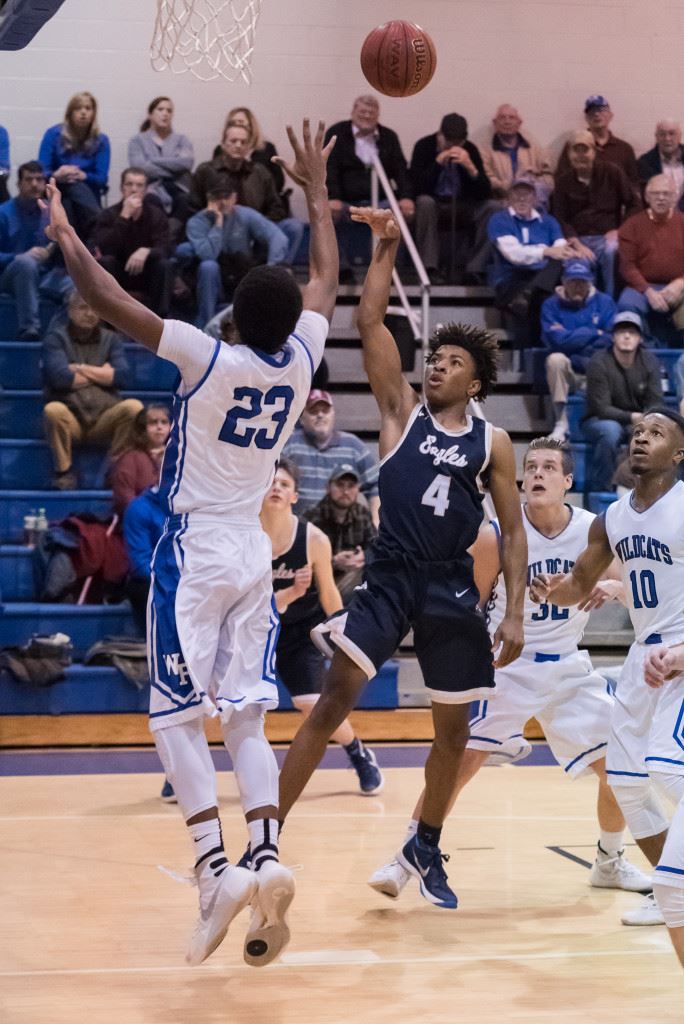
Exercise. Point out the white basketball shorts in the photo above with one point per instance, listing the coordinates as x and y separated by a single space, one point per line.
212 622
647 726
569 699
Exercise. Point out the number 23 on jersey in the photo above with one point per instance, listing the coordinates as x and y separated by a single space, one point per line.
254 403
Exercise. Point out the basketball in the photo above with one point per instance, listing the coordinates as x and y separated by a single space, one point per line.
398 58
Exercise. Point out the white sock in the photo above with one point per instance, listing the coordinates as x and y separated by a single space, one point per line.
610 844
263 841
210 857
411 830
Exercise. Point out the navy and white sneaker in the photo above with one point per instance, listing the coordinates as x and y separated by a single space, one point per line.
167 794
426 864
364 763
246 859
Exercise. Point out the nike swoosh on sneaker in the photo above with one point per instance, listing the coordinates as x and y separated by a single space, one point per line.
460 593
424 872
206 914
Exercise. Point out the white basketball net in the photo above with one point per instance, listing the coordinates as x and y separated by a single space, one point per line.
209 38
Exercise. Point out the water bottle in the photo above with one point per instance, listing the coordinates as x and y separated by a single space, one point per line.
41 523
664 380
30 529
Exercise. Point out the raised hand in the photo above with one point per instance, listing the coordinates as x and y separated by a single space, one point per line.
58 217
381 222
310 157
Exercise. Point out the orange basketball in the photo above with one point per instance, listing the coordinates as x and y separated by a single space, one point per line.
398 58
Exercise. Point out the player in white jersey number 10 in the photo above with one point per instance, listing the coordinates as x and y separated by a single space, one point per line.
552 680
212 627
645 531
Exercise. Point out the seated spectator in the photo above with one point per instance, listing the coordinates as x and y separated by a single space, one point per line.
609 148
623 381
591 200
359 140
666 157
514 155
317 448
27 256
4 164
347 524
451 189
652 261
166 157
224 238
76 153
137 462
143 525
254 186
679 379
131 241
575 322
84 366
529 249
259 150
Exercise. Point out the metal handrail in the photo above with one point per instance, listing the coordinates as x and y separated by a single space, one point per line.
421 330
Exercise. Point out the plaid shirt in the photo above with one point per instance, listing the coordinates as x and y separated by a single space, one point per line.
355 530
316 464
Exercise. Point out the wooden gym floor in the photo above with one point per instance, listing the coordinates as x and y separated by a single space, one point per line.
93 932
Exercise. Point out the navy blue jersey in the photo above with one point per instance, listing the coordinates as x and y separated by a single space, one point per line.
430 491
284 568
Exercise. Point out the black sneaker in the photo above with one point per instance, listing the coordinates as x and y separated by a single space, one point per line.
371 779
426 863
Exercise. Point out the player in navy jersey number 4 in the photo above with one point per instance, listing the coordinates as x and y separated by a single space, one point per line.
419 574
212 627
644 530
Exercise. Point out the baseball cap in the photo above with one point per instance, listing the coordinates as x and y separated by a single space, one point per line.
454 126
522 182
577 270
581 138
318 395
595 101
627 316
219 190
344 469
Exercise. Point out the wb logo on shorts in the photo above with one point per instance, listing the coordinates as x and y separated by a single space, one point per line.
176 667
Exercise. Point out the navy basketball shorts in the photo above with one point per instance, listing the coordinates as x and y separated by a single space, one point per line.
438 600
300 666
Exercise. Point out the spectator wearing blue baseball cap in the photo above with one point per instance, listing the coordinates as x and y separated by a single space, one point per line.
575 323
598 116
623 382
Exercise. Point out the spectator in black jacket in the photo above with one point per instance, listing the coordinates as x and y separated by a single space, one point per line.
131 241
84 366
623 382
451 188
666 157
349 172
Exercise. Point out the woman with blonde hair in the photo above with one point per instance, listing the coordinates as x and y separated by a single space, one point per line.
165 156
77 154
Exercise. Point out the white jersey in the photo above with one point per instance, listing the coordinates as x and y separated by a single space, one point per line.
650 548
232 414
548 628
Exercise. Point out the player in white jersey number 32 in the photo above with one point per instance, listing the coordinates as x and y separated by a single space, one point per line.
212 625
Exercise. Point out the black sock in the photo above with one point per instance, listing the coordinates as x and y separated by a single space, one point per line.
428 834
354 747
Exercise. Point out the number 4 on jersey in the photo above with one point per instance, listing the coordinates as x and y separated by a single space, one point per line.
437 494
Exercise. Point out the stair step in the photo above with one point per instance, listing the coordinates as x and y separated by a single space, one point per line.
84 624
27 465
14 505
16 573
21 411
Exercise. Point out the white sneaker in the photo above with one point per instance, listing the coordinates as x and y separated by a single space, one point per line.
221 899
617 873
515 749
390 879
648 913
268 932
560 431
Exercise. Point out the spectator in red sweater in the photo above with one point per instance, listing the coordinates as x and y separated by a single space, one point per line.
137 461
131 240
652 261
591 200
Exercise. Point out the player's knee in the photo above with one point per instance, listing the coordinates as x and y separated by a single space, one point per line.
331 709
671 902
642 809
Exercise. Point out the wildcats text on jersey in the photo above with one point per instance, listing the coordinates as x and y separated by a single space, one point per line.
638 545
549 565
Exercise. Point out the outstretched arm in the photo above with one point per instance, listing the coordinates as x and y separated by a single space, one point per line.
309 172
394 395
504 491
574 587
95 285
